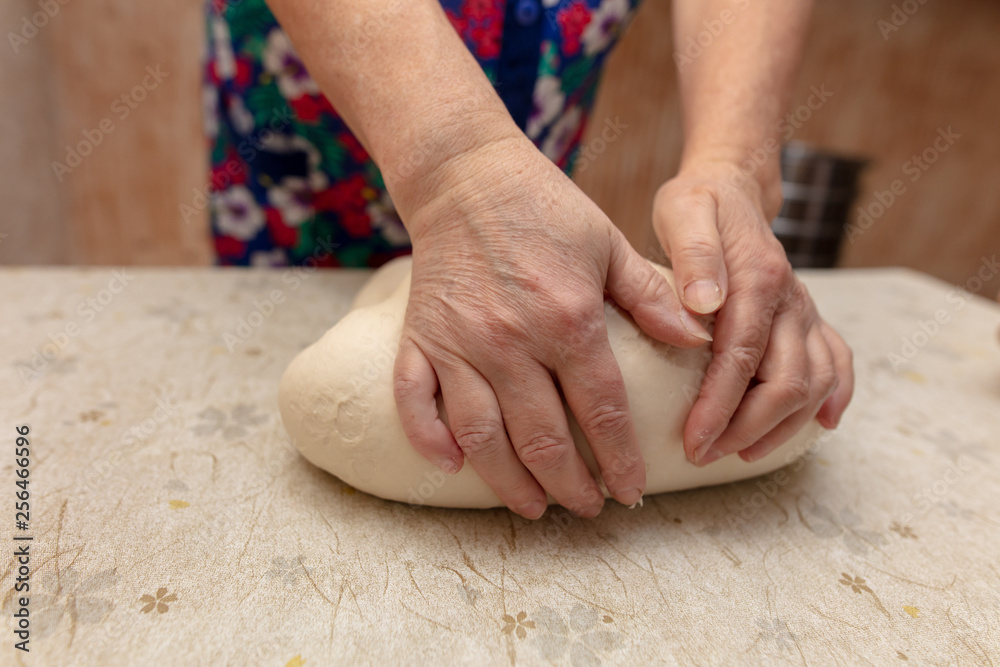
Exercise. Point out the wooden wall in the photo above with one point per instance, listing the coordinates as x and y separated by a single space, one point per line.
120 205
940 69
33 227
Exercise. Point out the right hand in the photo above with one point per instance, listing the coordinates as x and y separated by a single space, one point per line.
511 264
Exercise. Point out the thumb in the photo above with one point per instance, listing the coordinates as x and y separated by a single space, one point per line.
645 293
687 226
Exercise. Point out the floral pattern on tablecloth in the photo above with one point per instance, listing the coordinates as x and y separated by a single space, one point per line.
174 524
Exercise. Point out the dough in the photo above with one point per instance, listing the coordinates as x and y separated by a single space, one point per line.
337 404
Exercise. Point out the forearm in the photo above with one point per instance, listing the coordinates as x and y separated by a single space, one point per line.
735 89
402 79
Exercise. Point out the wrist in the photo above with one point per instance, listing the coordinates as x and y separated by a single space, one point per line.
422 163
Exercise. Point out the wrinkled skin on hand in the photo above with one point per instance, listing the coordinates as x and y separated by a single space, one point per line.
776 363
511 266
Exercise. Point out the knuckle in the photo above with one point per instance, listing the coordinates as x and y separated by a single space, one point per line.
543 451
576 315
795 295
695 248
405 386
703 190
680 200
649 284
794 394
576 328
695 194
478 437
607 423
745 359
774 272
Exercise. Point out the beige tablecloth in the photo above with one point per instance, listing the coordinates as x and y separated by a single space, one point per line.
174 525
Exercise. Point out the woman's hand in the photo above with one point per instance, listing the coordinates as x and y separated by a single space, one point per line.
777 364
511 263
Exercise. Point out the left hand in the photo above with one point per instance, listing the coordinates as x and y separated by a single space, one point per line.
776 363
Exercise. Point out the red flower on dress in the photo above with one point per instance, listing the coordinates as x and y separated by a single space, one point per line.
231 171
227 246
356 223
283 235
244 73
487 39
242 77
327 200
572 20
480 10
308 108
342 196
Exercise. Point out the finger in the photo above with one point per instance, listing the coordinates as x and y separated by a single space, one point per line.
641 290
822 381
741 334
833 409
537 427
477 426
687 226
782 389
595 391
415 386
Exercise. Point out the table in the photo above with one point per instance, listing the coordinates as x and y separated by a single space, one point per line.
173 524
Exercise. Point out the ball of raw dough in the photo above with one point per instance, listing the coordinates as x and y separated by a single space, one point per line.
337 404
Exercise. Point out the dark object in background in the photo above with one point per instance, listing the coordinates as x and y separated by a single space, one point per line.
819 188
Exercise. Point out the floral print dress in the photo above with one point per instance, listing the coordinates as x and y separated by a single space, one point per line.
291 185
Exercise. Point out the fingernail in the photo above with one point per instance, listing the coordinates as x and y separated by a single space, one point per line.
693 326
703 296
629 496
588 512
448 465
706 454
533 510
